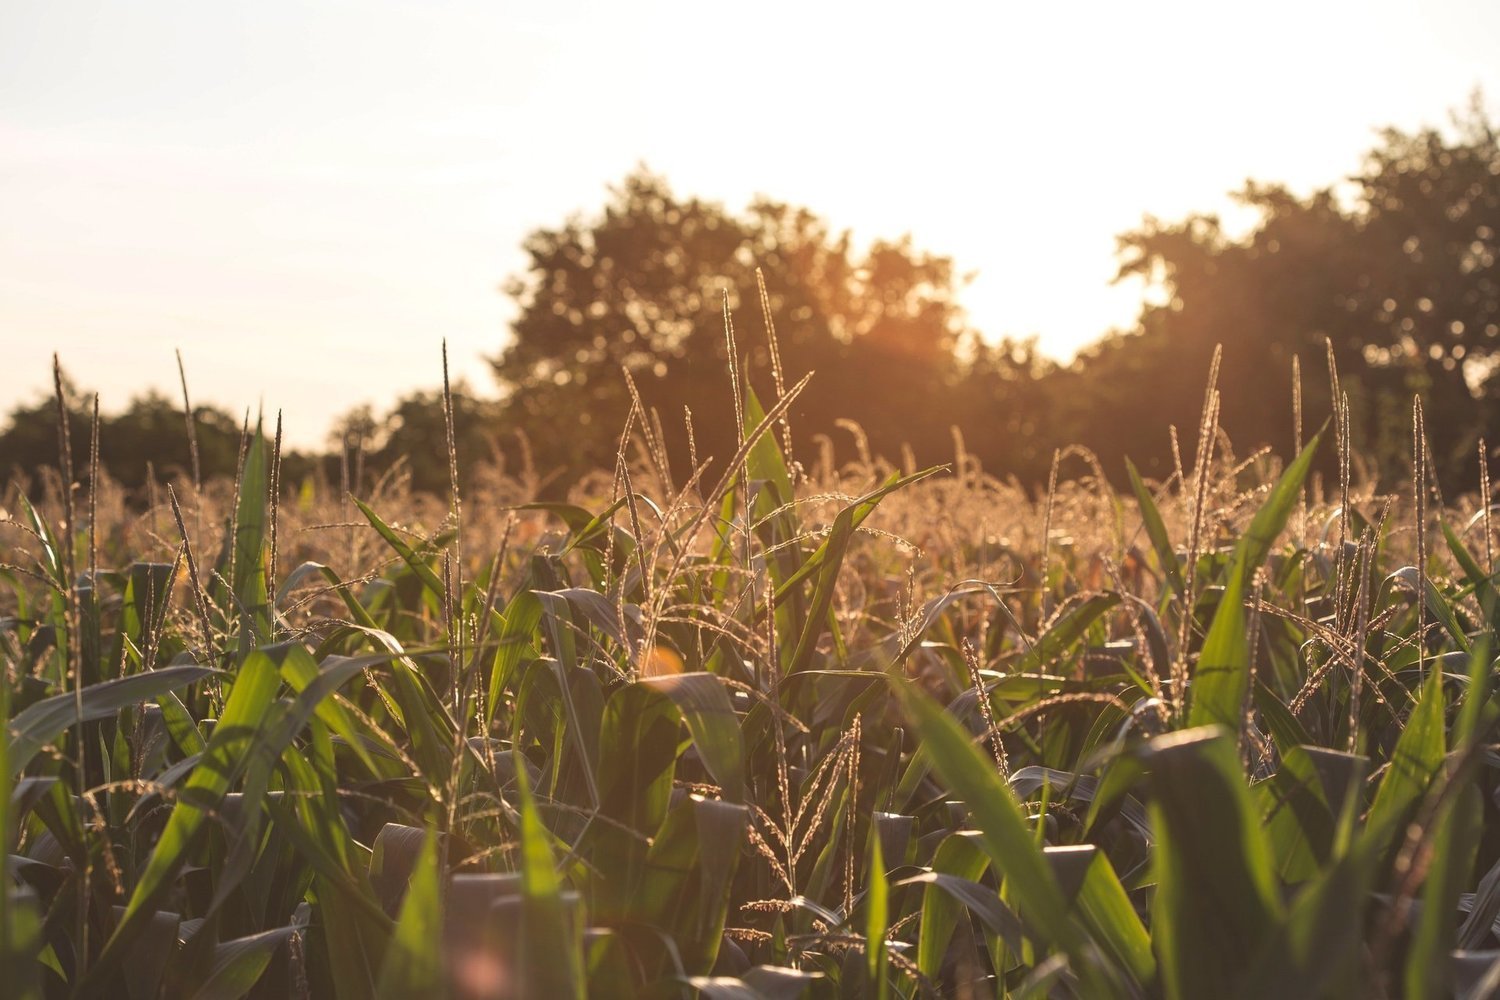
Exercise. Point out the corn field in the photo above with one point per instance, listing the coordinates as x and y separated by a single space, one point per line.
762 730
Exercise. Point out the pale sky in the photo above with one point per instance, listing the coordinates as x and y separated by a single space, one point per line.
307 197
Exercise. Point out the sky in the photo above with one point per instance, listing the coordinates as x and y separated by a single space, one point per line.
306 198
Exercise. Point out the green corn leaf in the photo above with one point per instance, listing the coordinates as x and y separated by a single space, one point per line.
1066 629
515 642
43 722
710 720
1319 942
587 528
1455 840
1156 530
413 968
1299 823
1439 606
234 735
301 671
426 725
356 932
720 828
1005 833
1215 902
250 585
1482 582
52 561
1112 921
238 965
284 722
1223 673
690 869
1455 835
635 778
1271 518
20 925
142 613
412 700
641 727
417 563
1414 763
1283 725
944 896
828 560
551 943
765 461
859 511
877 916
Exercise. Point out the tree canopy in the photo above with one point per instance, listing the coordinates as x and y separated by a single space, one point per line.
642 287
1394 267
150 432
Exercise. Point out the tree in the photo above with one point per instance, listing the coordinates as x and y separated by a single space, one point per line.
150 432
1006 407
641 287
1397 270
416 429
1432 215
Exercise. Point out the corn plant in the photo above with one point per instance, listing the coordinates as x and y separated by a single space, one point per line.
695 738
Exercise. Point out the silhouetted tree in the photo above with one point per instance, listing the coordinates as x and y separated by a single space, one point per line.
151 430
641 287
1005 407
414 431
1397 269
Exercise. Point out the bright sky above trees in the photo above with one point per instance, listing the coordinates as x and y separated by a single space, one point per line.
306 197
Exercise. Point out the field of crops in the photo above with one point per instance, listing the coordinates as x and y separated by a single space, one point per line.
781 730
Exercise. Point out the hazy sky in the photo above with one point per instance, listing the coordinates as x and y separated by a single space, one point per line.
306 197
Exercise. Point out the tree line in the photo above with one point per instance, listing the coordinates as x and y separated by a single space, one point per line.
1390 273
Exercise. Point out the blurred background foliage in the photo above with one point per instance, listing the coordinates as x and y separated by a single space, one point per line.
1393 269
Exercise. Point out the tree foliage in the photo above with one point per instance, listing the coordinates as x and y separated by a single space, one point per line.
151 433
1395 268
642 287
